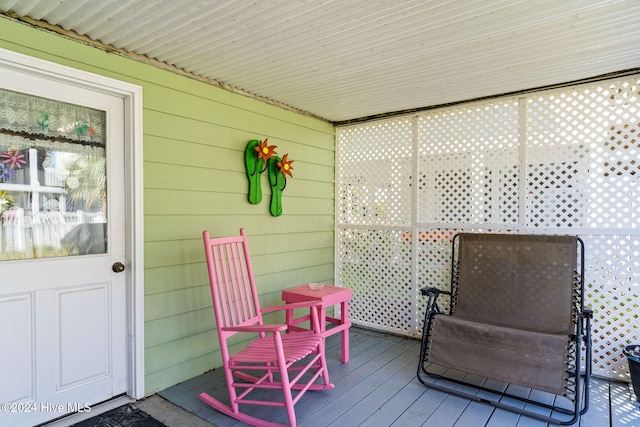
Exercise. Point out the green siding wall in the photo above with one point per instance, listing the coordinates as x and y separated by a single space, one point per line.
194 140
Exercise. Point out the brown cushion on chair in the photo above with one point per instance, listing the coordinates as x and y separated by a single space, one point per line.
527 358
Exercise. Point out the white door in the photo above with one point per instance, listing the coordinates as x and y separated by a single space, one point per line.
62 302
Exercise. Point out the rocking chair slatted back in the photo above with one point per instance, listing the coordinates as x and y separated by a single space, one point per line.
234 291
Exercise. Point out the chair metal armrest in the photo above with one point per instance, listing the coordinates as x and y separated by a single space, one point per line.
587 312
430 290
257 328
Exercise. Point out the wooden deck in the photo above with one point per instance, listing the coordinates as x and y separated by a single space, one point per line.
378 387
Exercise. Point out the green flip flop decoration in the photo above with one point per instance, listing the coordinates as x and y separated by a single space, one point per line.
256 155
279 168
277 181
254 165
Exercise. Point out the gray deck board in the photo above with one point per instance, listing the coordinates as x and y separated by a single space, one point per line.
378 388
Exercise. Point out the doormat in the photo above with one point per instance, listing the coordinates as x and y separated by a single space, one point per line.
124 416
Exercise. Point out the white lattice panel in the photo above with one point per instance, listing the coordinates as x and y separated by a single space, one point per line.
433 260
564 161
613 291
376 265
468 165
374 177
583 157
434 257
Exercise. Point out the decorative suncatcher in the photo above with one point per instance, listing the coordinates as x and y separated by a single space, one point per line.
258 157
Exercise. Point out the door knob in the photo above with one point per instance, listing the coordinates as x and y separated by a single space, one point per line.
117 267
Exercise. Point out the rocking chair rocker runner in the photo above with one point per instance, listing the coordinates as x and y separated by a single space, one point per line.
515 314
289 362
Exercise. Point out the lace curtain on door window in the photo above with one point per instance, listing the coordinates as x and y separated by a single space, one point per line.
52 176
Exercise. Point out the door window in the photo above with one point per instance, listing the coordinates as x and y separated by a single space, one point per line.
52 178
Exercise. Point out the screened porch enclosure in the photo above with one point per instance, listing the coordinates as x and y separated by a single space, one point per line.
564 161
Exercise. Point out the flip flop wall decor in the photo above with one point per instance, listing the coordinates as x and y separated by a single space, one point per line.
278 183
254 165
258 157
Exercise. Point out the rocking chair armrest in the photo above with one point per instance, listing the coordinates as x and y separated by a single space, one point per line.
279 327
303 304
430 290
314 305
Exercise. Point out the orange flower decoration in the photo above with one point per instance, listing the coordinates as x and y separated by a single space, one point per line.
285 166
265 152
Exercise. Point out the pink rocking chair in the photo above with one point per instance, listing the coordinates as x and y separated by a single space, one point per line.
291 362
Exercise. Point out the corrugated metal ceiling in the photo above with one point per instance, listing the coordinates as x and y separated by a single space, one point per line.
348 59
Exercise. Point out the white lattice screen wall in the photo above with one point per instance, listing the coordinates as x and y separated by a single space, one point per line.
565 161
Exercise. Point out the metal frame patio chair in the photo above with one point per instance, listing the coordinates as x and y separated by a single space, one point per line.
514 313
272 360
